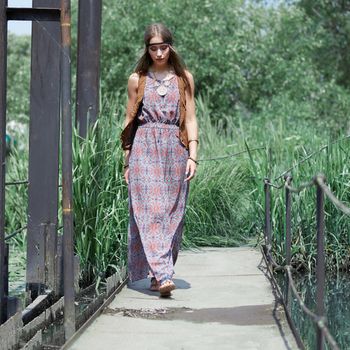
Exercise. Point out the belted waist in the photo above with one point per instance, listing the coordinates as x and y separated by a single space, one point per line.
158 125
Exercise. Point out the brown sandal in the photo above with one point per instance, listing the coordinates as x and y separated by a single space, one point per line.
166 287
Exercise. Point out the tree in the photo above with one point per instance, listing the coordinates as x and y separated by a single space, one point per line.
333 54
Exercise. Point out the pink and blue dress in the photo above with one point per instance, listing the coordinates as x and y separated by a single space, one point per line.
157 191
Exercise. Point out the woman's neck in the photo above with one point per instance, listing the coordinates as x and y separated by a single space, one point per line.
166 68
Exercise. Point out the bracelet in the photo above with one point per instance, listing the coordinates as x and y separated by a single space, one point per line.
193 140
193 159
125 166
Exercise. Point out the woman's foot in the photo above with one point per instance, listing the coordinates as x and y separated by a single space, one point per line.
154 287
166 287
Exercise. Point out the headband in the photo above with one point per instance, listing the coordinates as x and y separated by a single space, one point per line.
164 42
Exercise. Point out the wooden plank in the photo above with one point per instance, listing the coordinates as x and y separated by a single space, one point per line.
44 138
10 332
34 343
30 329
43 320
59 269
14 304
36 307
50 258
88 66
83 326
113 281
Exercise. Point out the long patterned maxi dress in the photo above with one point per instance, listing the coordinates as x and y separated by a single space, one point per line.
157 190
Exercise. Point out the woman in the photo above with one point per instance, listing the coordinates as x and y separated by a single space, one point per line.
160 140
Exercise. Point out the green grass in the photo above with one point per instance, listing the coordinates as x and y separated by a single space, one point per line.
100 198
225 205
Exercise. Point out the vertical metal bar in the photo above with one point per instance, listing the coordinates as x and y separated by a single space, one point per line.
44 138
320 262
6 269
88 65
68 242
50 233
288 243
3 83
6 281
267 192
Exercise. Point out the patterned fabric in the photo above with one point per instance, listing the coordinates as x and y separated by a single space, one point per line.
157 191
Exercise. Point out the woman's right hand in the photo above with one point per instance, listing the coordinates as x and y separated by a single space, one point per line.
126 175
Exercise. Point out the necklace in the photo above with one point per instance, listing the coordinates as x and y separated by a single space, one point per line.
161 84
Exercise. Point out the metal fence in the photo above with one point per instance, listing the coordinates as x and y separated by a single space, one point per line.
51 267
87 100
50 95
318 317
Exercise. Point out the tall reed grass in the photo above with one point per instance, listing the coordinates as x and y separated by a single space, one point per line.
100 197
214 209
288 143
225 206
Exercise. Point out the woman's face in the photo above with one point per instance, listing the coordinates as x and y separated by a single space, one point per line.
159 51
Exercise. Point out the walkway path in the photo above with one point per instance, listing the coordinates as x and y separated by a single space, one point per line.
223 301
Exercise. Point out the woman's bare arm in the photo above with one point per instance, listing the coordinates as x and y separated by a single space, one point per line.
191 120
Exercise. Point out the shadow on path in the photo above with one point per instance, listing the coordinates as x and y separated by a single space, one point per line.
142 286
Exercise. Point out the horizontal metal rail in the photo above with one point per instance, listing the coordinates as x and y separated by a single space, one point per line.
310 156
13 234
23 182
231 155
32 14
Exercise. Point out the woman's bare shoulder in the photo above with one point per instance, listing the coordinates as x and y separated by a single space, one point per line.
133 80
134 77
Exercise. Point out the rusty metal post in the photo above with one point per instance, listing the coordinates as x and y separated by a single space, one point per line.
267 191
6 270
3 69
88 63
320 262
6 281
288 243
68 241
44 140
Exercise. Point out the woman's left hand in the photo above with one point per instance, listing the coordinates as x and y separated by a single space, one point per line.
190 169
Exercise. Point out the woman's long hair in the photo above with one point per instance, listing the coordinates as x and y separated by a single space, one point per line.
145 61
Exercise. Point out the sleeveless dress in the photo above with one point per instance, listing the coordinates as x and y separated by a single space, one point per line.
157 191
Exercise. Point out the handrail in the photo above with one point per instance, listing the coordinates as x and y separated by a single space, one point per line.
311 155
21 182
15 233
319 317
25 182
231 155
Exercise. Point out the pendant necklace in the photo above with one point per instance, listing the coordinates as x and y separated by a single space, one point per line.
162 85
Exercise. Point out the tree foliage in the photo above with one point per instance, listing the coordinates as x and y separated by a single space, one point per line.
246 56
331 19
18 73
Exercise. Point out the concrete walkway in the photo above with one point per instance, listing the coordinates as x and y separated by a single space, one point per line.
223 301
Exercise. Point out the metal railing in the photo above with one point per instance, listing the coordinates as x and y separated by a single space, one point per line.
323 335
16 183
